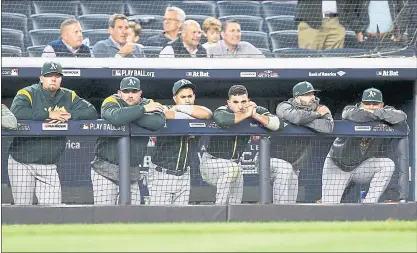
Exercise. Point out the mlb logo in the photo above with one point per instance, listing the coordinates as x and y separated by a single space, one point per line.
14 72
379 73
189 74
117 72
85 126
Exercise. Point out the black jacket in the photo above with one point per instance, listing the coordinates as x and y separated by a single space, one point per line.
181 52
310 11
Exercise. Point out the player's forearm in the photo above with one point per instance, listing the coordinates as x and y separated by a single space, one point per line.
151 121
122 116
391 115
195 111
321 125
226 119
358 115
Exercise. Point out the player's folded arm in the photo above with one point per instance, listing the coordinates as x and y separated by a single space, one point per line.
81 109
223 118
151 121
22 107
356 114
391 115
117 115
321 125
294 115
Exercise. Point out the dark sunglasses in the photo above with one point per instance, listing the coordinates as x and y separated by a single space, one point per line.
130 91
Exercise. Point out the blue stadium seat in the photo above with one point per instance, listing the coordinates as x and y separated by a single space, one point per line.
10 51
284 39
49 20
95 35
247 23
267 52
279 23
296 53
100 7
146 33
152 52
94 21
12 37
44 36
351 40
344 52
249 8
147 7
21 6
199 18
258 39
35 51
207 8
15 21
148 21
277 8
64 7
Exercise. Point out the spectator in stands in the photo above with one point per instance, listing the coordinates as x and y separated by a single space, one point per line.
189 43
32 160
173 19
322 24
8 120
231 44
133 33
381 22
125 107
117 45
70 44
211 30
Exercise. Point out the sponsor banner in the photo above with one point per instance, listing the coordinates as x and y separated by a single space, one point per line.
10 72
197 124
387 73
71 72
55 127
362 128
132 72
102 126
268 74
327 74
382 128
247 74
197 74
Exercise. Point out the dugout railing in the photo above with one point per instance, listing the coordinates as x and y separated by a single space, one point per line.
209 128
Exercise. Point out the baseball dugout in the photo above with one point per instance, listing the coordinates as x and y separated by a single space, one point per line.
281 167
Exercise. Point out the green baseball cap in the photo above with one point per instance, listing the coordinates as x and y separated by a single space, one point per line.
372 95
183 83
130 83
51 67
302 88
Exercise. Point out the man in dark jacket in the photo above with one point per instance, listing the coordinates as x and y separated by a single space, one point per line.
289 154
32 160
362 160
322 24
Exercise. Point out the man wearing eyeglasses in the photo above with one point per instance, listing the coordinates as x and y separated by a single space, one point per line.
173 19
361 159
123 108
169 171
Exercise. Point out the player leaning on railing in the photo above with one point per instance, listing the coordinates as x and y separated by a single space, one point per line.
290 154
32 160
361 159
169 171
220 165
123 108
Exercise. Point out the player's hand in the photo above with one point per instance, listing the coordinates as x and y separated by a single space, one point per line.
154 107
127 49
251 109
59 117
323 110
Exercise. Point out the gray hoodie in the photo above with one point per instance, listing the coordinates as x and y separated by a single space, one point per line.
8 120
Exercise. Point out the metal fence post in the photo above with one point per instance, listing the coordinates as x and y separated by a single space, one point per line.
123 147
403 166
265 188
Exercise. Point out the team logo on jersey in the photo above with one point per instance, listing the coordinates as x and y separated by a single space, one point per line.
56 109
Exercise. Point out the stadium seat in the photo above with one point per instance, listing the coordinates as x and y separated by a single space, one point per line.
278 8
146 7
49 20
64 7
44 36
199 18
148 21
296 53
344 52
12 37
279 23
100 7
146 33
94 21
249 8
247 23
351 40
35 51
15 21
152 52
95 35
22 7
257 39
284 39
207 8
10 51
267 52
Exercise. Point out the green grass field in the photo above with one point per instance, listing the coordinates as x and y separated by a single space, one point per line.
278 236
